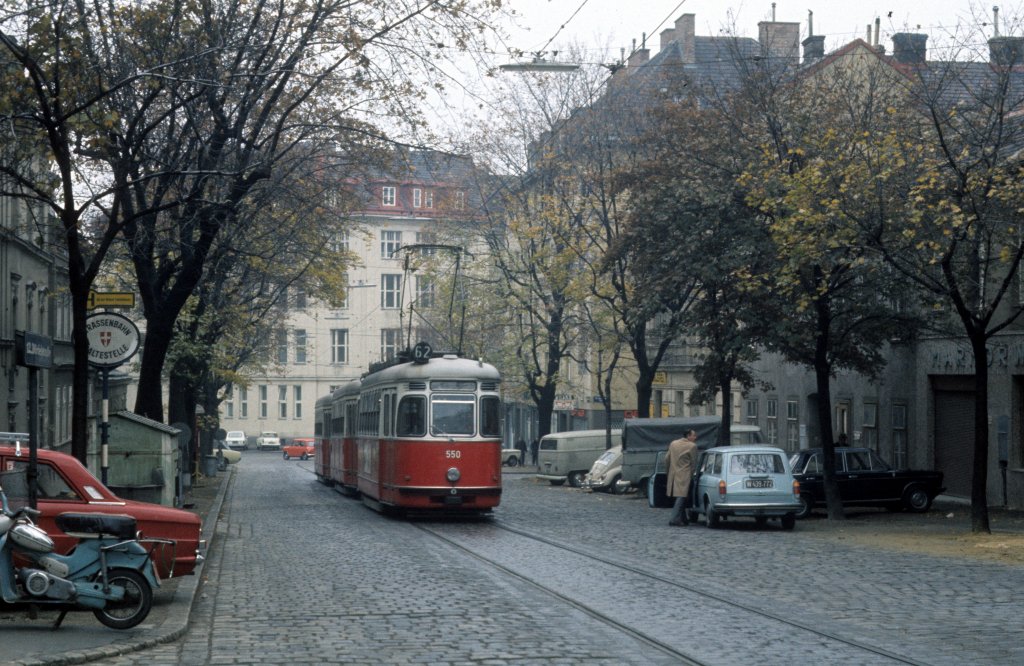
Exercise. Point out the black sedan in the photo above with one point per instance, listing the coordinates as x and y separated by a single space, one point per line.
864 479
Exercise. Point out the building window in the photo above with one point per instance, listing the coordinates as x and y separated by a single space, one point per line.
340 242
300 298
460 200
297 401
751 411
427 238
390 341
424 292
300 345
869 432
263 401
771 413
390 243
428 199
792 425
417 198
229 407
390 291
243 403
694 409
388 198
282 402
899 436
282 345
339 345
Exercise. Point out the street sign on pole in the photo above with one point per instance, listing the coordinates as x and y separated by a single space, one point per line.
113 339
110 299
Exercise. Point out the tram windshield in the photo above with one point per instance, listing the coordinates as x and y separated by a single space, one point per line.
452 414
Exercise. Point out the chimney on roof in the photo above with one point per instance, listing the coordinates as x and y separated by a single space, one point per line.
780 41
910 48
639 55
667 36
1006 51
685 26
814 45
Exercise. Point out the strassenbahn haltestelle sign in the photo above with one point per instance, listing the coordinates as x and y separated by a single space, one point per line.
113 338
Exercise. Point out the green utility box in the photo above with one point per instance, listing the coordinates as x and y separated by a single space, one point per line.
143 457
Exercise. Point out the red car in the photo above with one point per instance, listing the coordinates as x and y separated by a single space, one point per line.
300 447
65 484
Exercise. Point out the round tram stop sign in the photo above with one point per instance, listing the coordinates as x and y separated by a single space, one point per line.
113 339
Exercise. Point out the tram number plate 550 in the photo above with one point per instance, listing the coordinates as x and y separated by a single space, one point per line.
452 454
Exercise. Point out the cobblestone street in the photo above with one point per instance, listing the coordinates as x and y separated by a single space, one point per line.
300 574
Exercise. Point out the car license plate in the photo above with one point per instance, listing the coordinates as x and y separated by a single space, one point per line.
758 483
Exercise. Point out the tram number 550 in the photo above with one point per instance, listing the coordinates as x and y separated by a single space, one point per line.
452 455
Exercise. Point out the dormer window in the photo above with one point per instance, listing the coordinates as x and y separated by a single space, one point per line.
460 200
417 198
388 198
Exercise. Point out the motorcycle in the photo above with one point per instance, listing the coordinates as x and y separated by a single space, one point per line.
109 572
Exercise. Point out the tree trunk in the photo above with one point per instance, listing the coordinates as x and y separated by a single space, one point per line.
979 476
149 401
725 386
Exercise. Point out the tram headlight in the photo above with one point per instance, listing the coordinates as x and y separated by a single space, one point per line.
453 474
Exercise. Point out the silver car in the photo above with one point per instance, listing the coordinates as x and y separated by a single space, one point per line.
606 472
748 481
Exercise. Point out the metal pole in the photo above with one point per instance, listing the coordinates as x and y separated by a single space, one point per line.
104 427
33 436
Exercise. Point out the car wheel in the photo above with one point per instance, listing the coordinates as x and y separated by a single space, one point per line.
576 478
710 515
512 461
614 487
556 482
286 456
789 521
805 507
305 456
916 499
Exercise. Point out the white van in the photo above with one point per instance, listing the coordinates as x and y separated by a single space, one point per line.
569 455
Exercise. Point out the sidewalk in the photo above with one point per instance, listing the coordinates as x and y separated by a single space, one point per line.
81 638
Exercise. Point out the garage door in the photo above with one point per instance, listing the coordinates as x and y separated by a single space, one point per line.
954 439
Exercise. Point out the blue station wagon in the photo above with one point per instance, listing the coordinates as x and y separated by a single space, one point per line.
747 481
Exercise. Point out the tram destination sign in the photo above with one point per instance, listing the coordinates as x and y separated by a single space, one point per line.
113 339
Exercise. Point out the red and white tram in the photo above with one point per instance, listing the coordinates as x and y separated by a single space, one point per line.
415 435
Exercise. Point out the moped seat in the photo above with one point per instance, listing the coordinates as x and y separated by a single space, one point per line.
97 525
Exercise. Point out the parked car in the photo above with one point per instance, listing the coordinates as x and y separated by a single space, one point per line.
606 472
864 479
235 439
226 456
65 485
302 448
744 481
568 456
268 440
510 457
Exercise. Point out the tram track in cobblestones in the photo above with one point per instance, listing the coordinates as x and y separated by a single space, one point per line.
744 615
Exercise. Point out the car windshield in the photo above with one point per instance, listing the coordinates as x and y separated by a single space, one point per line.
452 414
756 463
608 456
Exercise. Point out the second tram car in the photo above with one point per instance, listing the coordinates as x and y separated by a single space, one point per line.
421 435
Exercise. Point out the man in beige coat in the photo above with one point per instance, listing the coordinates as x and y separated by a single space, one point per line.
682 458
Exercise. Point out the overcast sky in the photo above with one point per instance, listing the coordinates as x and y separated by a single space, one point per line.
606 29
616 23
